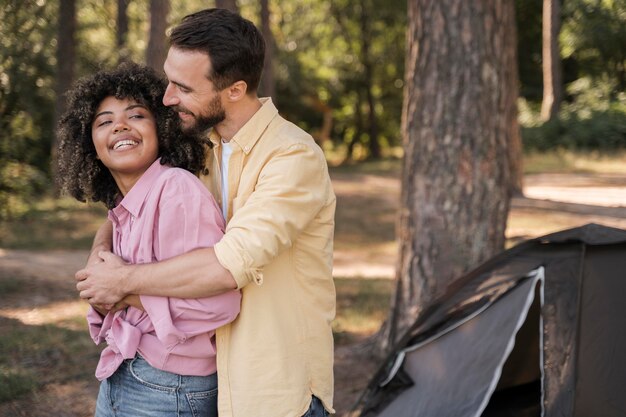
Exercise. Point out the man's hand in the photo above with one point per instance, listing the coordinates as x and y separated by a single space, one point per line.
103 282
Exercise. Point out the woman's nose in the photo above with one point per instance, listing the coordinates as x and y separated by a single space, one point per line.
120 127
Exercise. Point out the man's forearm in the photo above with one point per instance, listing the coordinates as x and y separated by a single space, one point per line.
195 274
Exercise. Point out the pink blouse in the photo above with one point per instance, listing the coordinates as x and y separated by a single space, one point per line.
168 212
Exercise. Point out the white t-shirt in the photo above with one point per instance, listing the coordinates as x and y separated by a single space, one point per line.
227 151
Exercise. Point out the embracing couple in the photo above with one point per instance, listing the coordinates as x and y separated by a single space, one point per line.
198 282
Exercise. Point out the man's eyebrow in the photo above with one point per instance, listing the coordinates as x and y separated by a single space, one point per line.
181 85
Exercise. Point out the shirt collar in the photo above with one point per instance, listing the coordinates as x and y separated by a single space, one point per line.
133 201
251 132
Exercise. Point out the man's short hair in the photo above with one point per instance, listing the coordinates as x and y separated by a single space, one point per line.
235 46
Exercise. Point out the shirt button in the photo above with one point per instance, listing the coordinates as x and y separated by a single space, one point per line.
246 148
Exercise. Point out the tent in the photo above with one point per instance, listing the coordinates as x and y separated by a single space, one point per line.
538 330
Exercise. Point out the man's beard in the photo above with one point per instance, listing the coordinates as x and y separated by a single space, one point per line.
204 122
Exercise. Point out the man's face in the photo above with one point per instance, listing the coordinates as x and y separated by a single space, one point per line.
189 92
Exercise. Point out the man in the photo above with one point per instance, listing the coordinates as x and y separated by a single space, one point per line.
272 182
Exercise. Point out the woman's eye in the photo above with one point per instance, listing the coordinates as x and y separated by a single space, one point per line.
136 116
103 122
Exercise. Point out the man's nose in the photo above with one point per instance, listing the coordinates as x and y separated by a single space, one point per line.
169 98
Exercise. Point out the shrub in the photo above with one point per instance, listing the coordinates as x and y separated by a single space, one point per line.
594 120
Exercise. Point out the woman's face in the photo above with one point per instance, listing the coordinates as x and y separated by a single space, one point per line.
125 137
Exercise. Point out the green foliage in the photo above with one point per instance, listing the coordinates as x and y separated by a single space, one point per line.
591 122
594 36
331 56
592 40
20 185
333 61
27 66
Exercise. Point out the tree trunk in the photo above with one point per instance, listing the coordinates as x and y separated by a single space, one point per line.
157 41
374 145
227 4
122 30
268 84
358 128
552 77
516 151
66 57
458 119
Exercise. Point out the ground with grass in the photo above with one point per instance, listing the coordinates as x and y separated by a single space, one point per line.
47 359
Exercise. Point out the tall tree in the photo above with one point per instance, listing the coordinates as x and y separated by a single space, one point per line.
552 78
268 83
157 42
122 30
66 56
368 73
359 35
227 4
458 120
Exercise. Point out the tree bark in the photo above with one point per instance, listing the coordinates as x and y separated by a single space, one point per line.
157 41
552 77
227 4
122 30
66 57
458 121
268 83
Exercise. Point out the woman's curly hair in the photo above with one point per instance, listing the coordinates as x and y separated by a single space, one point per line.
79 172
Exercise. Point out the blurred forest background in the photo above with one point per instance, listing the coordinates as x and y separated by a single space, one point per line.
335 67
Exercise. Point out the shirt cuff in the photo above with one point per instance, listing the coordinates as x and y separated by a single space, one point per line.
239 264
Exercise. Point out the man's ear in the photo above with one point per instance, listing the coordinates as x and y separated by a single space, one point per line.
236 91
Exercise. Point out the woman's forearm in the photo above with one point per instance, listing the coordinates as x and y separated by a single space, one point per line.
103 241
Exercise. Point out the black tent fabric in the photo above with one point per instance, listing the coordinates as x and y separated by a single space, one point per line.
537 330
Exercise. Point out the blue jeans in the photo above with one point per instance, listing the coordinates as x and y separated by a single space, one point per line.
137 389
316 409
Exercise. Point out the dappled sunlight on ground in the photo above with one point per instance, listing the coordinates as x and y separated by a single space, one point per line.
62 314
597 190
55 264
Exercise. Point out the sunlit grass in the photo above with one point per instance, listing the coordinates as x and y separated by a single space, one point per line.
362 306
563 161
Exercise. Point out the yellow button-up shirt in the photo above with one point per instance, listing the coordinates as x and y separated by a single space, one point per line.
278 246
